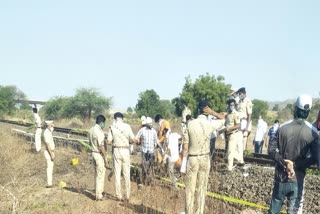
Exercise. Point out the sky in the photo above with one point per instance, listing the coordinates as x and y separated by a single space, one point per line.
122 48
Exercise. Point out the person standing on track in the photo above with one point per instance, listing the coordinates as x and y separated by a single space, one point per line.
244 108
149 139
196 148
295 147
37 136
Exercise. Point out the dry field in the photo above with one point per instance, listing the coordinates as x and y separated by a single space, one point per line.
23 181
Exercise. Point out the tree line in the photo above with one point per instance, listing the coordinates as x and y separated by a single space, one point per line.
89 102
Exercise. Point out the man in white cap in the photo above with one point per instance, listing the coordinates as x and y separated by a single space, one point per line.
147 135
37 123
120 136
49 151
96 139
295 147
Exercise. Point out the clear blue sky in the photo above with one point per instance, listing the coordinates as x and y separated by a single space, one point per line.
50 48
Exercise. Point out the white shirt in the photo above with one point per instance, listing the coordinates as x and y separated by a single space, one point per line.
37 120
173 145
261 130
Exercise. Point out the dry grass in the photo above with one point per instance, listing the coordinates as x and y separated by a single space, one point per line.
22 181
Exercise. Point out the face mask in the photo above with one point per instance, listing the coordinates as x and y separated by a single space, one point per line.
103 125
241 96
51 129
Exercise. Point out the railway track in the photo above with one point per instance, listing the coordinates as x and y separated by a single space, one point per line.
56 129
259 159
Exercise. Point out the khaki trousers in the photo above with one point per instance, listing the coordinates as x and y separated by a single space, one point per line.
100 172
37 139
121 162
50 165
198 168
235 150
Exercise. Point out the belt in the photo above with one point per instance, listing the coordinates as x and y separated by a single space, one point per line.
198 155
120 147
232 133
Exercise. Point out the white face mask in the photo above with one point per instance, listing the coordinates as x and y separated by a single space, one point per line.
51 129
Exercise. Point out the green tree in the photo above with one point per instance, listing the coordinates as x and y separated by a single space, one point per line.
276 107
9 95
149 104
205 87
260 107
87 101
129 110
55 107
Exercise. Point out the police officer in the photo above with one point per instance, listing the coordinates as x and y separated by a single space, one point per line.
290 150
234 135
49 151
121 135
37 122
244 108
96 139
197 148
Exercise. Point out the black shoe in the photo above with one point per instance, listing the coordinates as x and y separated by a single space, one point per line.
49 186
241 164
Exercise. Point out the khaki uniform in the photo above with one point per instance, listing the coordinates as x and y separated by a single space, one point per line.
197 137
37 137
121 134
96 139
235 150
244 108
48 139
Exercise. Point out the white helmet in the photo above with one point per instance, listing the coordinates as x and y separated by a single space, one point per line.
304 102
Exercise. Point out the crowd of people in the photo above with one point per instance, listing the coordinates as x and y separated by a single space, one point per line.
294 145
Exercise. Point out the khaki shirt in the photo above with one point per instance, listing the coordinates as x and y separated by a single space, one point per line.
96 137
232 119
120 133
48 139
198 134
244 107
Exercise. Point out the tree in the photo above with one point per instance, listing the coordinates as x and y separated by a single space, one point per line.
129 110
260 107
8 99
206 87
276 107
55 107
87 101
149 104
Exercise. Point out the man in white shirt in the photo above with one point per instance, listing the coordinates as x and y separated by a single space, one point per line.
173 153
37 122
260 135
